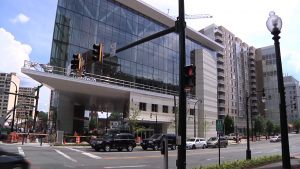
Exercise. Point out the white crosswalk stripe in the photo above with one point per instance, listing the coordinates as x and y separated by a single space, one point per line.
87 154
65 155
21 152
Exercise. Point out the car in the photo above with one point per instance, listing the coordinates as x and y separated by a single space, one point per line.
155 141
214 141
231 136
194 143
114 141
12 160
275 139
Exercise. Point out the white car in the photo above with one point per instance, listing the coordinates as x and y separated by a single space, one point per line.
275 139
194 143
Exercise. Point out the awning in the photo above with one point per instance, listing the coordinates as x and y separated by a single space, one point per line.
290 125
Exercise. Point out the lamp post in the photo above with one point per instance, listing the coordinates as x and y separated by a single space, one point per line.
106 119
274 25
195 116
13 119
248 151
155 121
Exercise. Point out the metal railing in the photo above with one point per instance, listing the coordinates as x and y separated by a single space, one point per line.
98 78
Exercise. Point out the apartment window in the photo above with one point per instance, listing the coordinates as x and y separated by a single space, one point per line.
232 96
232 104
154 108
192 111
5 101
291 87
143 106
232 111
292 111
165 109
290 92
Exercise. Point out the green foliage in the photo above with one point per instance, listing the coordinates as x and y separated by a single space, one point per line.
205 126
270 126
30 119
43 115
114 116
229 124
259 124
133 120
296 124
94 124
277 128
244 164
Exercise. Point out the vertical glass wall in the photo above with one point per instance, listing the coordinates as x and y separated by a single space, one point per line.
81 23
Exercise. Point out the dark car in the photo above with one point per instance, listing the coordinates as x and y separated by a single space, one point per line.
214 141
114 141
155 141
12 161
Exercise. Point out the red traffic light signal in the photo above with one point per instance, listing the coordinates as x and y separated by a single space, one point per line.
190 76
97 52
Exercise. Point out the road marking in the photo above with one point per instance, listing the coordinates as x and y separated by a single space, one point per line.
65 155
257 152
214 158
135 166
21 152
87 154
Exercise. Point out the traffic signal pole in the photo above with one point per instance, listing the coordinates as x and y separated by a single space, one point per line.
181 163
36 108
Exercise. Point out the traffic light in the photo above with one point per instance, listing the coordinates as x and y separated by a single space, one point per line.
190 76
76 62
97 52
37 113
30 113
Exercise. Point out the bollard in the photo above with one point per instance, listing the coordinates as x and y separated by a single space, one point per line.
23 140
41 141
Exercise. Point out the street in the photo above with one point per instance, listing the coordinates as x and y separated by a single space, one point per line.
85 157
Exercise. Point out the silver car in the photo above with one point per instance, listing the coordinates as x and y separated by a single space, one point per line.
193 143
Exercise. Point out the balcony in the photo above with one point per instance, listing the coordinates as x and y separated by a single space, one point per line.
222 113
220 53
221 82
253 86
253 80
218 31
254 110
220 67
221 104
254 98
221 74
252 63
218 39
251 51
220 60
254 104
252 74
251 57
221 89
252 68
221 97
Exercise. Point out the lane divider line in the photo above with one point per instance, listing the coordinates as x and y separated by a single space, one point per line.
65 155
87 154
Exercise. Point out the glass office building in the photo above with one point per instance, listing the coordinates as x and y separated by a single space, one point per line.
80 24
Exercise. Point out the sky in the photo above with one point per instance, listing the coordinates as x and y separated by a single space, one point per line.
26 30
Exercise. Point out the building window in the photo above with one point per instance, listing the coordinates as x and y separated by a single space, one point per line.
143 106
192 111
154 108
173 110
165 109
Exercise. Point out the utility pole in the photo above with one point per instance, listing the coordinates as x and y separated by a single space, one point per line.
36 108
175 112
181 163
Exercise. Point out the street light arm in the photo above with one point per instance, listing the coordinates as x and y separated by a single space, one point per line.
13 83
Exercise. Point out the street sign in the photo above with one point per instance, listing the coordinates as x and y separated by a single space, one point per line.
113 48
219 125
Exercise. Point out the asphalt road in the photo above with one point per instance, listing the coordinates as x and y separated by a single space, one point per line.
72 157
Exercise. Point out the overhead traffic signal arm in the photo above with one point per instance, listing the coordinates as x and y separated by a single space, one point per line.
190 76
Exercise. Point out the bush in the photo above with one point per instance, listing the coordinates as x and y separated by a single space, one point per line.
244 164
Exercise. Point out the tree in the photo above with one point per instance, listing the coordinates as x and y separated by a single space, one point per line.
133 121
270 126
43 115
277 128
259 124
228 125
114 116
205 126
30 119
296 124
94 124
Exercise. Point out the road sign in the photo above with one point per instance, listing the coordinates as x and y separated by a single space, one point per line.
219 125
219 132
113 48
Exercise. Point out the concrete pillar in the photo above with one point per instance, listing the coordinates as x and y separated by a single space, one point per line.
65 114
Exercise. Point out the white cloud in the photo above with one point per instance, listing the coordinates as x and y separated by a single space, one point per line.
291 60
12 54
20 18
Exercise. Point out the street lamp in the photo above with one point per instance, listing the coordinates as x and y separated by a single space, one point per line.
13 120
263 99
195 116
155 120
274 25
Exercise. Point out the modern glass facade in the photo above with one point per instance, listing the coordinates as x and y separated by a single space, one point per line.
81 23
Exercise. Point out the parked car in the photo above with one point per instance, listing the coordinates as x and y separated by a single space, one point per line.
155 141
194 143
214 141
231 136
114 141
275 139
12 160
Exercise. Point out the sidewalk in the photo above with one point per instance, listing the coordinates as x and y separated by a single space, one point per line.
295 163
